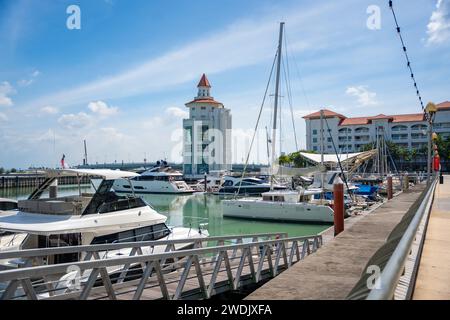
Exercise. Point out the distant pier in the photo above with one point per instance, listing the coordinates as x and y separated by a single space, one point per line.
11 181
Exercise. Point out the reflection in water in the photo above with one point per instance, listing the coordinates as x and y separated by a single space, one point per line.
192 210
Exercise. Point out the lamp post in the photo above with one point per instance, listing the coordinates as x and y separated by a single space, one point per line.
431 111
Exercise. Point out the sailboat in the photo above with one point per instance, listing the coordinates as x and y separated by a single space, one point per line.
279 205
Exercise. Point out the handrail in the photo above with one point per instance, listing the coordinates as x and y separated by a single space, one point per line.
386 284
46 270
116 246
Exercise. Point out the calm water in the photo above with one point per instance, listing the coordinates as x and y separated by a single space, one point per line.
193 210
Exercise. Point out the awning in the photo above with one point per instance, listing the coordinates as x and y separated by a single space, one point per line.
331 158
106 174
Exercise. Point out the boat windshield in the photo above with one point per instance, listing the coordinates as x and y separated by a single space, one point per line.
105 200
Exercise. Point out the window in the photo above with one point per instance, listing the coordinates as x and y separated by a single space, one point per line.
314 148
148 233
418 127
203 108
329 140
361 130
399 128
315 140
314 131
345 131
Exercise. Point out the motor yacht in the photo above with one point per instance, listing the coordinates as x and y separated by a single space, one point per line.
246 186
281 205
45 220
159 179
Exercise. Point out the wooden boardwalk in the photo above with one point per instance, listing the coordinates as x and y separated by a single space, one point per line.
433 278
333 271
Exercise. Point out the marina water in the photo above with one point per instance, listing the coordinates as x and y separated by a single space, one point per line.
193 210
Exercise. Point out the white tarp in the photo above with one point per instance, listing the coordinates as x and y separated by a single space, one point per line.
106 174
330 158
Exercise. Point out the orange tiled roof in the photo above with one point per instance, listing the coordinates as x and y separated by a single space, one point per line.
204 100
354 121
444 105
204 82
380 116
394 118
408 117
326 113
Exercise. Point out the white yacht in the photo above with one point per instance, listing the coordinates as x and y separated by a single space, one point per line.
290 206
45 220
160 179
246 186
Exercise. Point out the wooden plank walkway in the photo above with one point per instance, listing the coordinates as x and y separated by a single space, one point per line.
333 271
433 278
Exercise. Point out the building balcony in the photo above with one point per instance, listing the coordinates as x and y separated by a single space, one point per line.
418 136
399 137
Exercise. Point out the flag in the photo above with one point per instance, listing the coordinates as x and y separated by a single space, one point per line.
62 161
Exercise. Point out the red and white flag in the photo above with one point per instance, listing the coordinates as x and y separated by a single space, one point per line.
62 161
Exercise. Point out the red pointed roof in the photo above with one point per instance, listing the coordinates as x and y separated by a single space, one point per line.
204 82
326 113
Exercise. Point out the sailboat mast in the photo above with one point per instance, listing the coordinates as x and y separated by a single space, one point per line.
277 88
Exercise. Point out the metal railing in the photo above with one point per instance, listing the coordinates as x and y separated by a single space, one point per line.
387 282
165 275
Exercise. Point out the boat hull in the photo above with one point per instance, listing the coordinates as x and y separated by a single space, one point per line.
278 211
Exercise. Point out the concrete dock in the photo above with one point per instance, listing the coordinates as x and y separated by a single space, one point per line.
334 270
433 278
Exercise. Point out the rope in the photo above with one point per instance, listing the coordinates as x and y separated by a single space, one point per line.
408 63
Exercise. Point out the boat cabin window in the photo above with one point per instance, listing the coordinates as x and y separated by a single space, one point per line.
148 233
60 240
305 198
228 183
8 206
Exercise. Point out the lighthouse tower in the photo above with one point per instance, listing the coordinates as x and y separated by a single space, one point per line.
207 134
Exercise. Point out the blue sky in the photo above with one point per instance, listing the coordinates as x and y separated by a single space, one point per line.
121 81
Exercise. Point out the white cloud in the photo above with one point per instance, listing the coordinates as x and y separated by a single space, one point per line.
25 82
438 28
363 95
177 112
49 110
30 80
75 121
5 90
241 44
101 108
3 117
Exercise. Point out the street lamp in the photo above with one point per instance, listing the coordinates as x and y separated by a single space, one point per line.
431 111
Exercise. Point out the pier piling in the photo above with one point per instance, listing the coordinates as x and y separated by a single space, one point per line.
390 192
338 206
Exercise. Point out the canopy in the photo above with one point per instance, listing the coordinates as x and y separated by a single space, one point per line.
330 158
106 174
353 160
